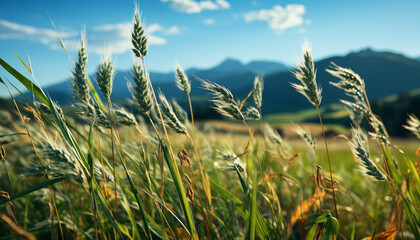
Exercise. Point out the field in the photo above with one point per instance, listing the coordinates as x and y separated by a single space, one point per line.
107 174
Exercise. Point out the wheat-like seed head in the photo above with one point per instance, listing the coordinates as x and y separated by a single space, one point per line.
350 82
141 91
138 36
382 132
252 113
413 125
274 136
357 106
42 107
123 117
228 110
258 89
356 116
92 114
218 91
361 156
223 100
350 89
306 74
170 117
231 160
105 75
180 112
79 78
307 137
182 81
346 75
59 163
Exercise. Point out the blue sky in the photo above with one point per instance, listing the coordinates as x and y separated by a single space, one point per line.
202 33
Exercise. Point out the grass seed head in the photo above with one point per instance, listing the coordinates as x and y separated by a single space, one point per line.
258 89
79 77
272 135
141 91
105 76
306 74
413 125
223 100
307 137
346 75
124 118
357 106
361 156
180 112
182 81
170 117
252 113
382 132
138 36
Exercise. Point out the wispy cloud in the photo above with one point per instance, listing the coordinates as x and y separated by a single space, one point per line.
192 6
100 38
173 30
209 21
11 30
279 18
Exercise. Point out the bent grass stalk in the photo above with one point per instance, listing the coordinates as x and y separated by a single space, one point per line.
306 74
329 162
39 161
184 84
140 49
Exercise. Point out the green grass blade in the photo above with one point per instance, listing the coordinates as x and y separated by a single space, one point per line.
414 174
27 68
179 188
138 199
108 214
25 81
165 207
95 95
225 194
253 209
135 231
242 180
11 134
33 189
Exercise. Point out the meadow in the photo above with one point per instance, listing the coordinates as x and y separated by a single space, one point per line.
162 175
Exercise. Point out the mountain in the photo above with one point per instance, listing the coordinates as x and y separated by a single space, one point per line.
385 73
231 73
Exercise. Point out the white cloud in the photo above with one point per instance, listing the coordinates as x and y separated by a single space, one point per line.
223 3
11 30
174 30
192 6
279 18
209 21
116 36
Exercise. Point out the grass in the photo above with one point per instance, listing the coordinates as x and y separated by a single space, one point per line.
162 175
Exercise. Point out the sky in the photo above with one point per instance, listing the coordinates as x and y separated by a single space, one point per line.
200 33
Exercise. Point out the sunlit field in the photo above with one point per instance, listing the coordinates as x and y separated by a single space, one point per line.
107 173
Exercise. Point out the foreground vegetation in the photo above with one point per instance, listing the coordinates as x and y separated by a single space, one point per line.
161 176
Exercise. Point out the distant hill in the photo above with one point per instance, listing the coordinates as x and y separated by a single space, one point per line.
231 73
385 73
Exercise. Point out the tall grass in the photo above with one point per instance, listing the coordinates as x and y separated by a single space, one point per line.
116 176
